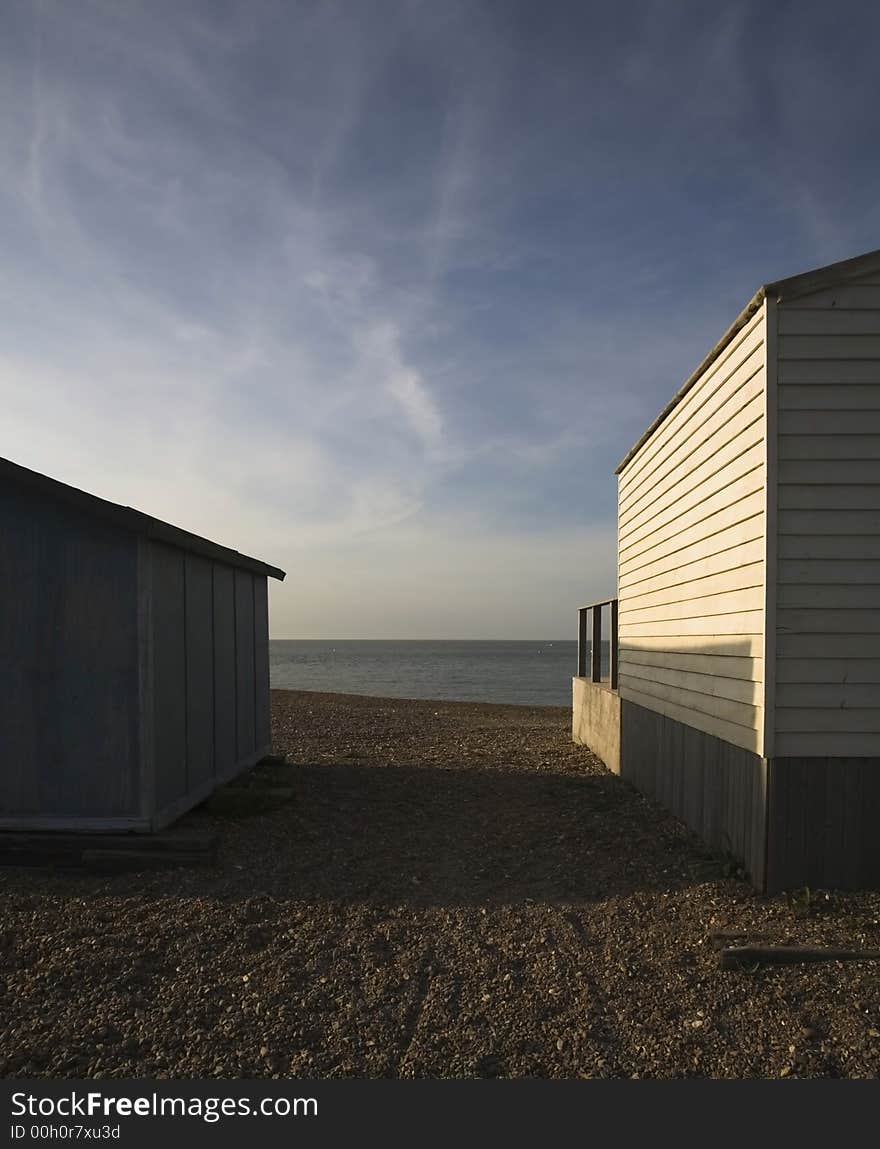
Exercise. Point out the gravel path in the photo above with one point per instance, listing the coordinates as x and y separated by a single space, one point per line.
454 890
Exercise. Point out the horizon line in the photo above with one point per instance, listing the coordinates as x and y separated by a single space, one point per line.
273 638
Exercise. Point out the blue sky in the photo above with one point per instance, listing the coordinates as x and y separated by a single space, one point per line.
381 292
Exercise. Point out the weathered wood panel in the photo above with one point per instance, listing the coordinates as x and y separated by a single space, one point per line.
245 698
717 788
830 421
822 620
261 662
829 720
709 706
737 733
845 396
830 695
809 572
848 744
683 682
822 472
830 596
824 521
68 664
820 446
823 814
829 346
828 670
732 666
107 669
146 708
169 675
95 676
225 708
827 645
828 580
199 671
862 548
830 497
829 321
864 294
24 643
830 372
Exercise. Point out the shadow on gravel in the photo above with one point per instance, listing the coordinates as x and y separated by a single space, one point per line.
452 837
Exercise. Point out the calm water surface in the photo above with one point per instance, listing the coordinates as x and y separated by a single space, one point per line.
521 673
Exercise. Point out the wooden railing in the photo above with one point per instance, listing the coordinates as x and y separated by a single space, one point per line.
594 609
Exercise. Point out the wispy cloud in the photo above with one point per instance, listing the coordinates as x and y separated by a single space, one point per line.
406 386
382 296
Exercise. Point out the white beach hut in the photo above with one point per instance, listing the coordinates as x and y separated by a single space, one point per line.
745 684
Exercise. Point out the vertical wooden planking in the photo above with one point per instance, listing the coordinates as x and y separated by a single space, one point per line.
822 823
717 788
169 674
261 662
199 672
728 765
757 861
107 669
869 820
775 808
817 829
856 804
225 751
709 822
21 604
795 837
80 663
754 813
244 664
146 711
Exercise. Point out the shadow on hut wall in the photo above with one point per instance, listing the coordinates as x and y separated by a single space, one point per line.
791 822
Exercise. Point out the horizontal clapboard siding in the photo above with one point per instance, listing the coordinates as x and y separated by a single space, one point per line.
727 551
828 574
704 411
691 553
689 590
859 295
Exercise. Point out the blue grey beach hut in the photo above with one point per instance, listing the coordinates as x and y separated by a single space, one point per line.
134 662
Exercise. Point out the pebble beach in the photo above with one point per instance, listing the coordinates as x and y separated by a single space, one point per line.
428 889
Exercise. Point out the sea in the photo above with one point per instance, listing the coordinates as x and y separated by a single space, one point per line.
517 673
